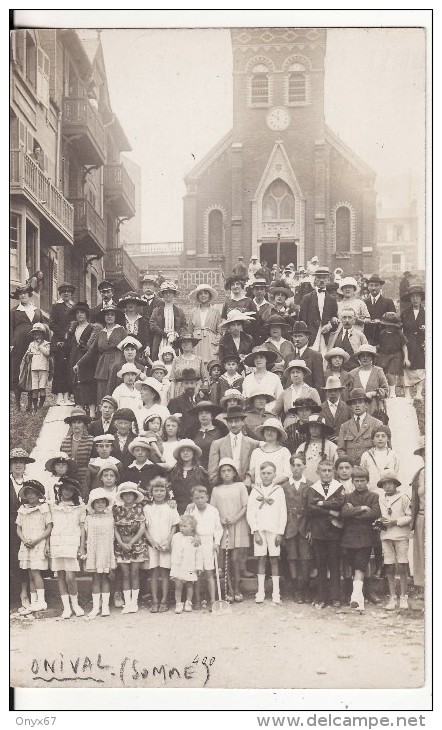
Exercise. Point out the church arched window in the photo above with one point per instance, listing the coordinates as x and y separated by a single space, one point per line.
278 202
297 81
215 231
343 227
260 84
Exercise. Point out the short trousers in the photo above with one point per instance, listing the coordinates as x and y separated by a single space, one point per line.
159 558
268 546
358 558
207 552
298 548
395 551
39 379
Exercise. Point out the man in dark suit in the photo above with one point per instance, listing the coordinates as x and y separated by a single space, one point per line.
106 289
60 318
319 309
186 402
234 446
150 297
377 305
334 409
312 359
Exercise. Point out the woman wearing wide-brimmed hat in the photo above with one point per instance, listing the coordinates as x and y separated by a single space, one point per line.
348 290
186 473
185 360
78 444
413 321
295 374
371 378
261 359
317 445
278 332
210 428
104 349
22 318
282 301
234 340
392 349
237 300
81 335
135 323
257 410
166 321
335 358
205 322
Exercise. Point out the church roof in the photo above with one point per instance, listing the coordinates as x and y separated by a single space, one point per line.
348 153
201 166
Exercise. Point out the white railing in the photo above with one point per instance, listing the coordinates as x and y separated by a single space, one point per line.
172 247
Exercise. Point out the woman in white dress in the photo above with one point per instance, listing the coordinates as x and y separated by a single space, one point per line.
205 322
347 290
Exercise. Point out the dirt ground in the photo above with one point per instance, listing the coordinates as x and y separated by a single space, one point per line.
266 646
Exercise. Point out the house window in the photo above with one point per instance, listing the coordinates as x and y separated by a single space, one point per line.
31 248
296 84
260 85
398 233
31 61
14 263
343 230
278 202
93 290
215 231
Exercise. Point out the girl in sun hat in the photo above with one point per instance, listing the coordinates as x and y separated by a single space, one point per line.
131 548
335 359
186 473
271 448
392 349
150 390
58 466
18 458
68 516
131 348
145 465
316 446
97 549
187 359
205 322
159 371
34 525
126 395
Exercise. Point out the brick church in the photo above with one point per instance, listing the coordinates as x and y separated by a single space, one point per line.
280 171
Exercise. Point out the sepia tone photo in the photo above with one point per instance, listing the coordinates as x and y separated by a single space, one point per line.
217 358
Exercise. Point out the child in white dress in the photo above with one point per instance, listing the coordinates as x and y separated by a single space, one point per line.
210 530
126 395
186 562
34 525
68 516
161 524
98 550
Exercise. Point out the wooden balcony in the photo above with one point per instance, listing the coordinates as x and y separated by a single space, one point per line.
88 228
119 190
121 270
83 128
31 183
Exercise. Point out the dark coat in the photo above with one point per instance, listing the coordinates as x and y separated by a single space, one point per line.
148 307
96 310
20 339
320 520
59 321
205 441
377 310
182 404
343 414
415 336
143 331
346 381
142 476
353 443
76 350
309 313
415 501
181 487
124 456
227 345
358 530
96 427
156 324
84 451
315 362
296 501
105 353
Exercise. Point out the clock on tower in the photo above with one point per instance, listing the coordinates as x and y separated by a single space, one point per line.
278 119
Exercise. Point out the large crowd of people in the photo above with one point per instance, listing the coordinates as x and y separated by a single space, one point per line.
207 434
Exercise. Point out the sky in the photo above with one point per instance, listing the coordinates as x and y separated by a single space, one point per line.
172 91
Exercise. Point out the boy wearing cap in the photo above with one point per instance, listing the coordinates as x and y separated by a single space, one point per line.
106 289
126 395
38 351
105 424
395 536
334 409
355 434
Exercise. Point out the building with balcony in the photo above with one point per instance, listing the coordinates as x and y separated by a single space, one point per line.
69 190
166 256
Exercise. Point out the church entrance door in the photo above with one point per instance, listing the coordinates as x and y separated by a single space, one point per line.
267 252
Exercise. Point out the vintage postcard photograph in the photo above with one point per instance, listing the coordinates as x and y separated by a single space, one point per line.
218 356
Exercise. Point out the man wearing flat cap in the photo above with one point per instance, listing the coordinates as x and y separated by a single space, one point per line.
319 310
377 305
106 289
